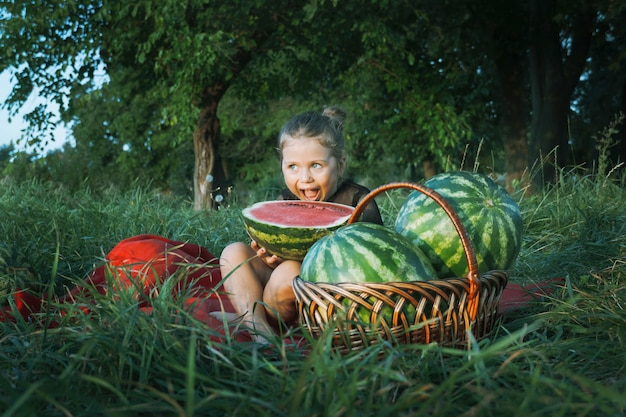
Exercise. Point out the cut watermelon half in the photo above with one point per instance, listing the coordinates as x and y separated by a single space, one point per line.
288 228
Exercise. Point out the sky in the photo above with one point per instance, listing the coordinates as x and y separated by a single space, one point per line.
11 132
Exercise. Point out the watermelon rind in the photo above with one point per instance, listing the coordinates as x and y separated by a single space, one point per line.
365 252
490 215
290 240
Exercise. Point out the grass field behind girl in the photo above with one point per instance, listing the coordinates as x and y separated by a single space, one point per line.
564 356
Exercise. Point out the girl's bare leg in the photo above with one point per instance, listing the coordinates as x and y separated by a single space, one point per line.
246 275
278 296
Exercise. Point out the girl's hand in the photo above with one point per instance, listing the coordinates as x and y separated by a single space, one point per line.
270 260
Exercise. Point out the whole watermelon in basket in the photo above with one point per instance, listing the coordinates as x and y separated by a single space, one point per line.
489 214
365 252
288 228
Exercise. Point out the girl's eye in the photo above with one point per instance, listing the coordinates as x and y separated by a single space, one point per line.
291 167
317 165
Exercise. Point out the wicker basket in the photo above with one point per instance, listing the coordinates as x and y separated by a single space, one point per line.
442 311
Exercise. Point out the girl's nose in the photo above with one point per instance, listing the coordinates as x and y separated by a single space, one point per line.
305 175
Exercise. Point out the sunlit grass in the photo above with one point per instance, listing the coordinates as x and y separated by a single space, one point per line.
563 357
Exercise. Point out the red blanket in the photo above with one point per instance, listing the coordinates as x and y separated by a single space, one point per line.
145 261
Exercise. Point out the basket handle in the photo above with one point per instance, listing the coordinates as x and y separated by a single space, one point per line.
473 274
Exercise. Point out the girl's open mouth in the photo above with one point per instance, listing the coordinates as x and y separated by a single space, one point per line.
310 194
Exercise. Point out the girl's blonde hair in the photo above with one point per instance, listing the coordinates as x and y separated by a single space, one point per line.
326 127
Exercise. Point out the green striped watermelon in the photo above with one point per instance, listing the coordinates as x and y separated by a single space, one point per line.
365 252
288 228
490 215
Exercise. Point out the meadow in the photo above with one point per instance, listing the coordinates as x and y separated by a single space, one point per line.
565 356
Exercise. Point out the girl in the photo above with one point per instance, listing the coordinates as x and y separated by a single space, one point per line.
313 161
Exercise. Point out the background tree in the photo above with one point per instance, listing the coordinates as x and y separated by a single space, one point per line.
427 84
500 31
601 92
560 38
414 91
169 64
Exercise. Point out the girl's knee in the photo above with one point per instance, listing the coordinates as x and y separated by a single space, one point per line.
235 249
282 277
234 254
288 270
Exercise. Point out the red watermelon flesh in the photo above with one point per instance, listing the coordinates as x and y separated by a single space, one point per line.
300 213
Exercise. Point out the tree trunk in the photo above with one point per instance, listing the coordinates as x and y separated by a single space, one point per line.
205 141
514 119
506 31
620 152
550 138
554 72
430 170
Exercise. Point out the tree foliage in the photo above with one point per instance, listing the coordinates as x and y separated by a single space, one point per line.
48 50
150 87
170 63
419 90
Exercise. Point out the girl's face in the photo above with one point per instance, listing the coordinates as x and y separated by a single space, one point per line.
310 170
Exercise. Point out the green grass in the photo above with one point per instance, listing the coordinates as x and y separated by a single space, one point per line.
563 358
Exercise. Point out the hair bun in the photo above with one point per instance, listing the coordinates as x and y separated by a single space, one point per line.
336 114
